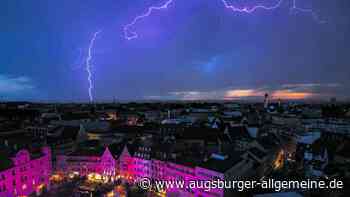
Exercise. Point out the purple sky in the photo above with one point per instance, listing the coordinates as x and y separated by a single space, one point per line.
193 50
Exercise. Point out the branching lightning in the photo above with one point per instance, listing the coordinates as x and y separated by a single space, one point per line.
130 34
89 65
252 9
310 11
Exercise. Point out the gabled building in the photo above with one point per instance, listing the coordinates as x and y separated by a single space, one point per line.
132 162
93 159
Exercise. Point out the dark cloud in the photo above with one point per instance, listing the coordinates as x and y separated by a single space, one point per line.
195 49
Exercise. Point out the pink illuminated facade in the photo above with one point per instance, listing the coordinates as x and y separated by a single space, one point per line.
27 173
142 165
131 168
101 163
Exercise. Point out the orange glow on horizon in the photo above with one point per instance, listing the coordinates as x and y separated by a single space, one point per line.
243 93
286 94
277 94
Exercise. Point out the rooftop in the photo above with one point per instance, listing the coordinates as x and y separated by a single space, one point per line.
222 165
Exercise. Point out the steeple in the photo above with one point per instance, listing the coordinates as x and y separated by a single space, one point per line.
266 101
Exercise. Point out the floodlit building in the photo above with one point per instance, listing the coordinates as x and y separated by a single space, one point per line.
116 162
25 173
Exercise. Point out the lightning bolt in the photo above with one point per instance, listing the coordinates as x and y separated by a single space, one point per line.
129 34
132 34
253 9
89 65
310 11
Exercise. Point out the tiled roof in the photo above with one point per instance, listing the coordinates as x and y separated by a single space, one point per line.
67 133
239 132
88 151
258 153
223 165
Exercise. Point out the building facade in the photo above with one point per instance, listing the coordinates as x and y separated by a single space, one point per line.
26 173
109 166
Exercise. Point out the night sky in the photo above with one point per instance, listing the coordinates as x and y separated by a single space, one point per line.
195 49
